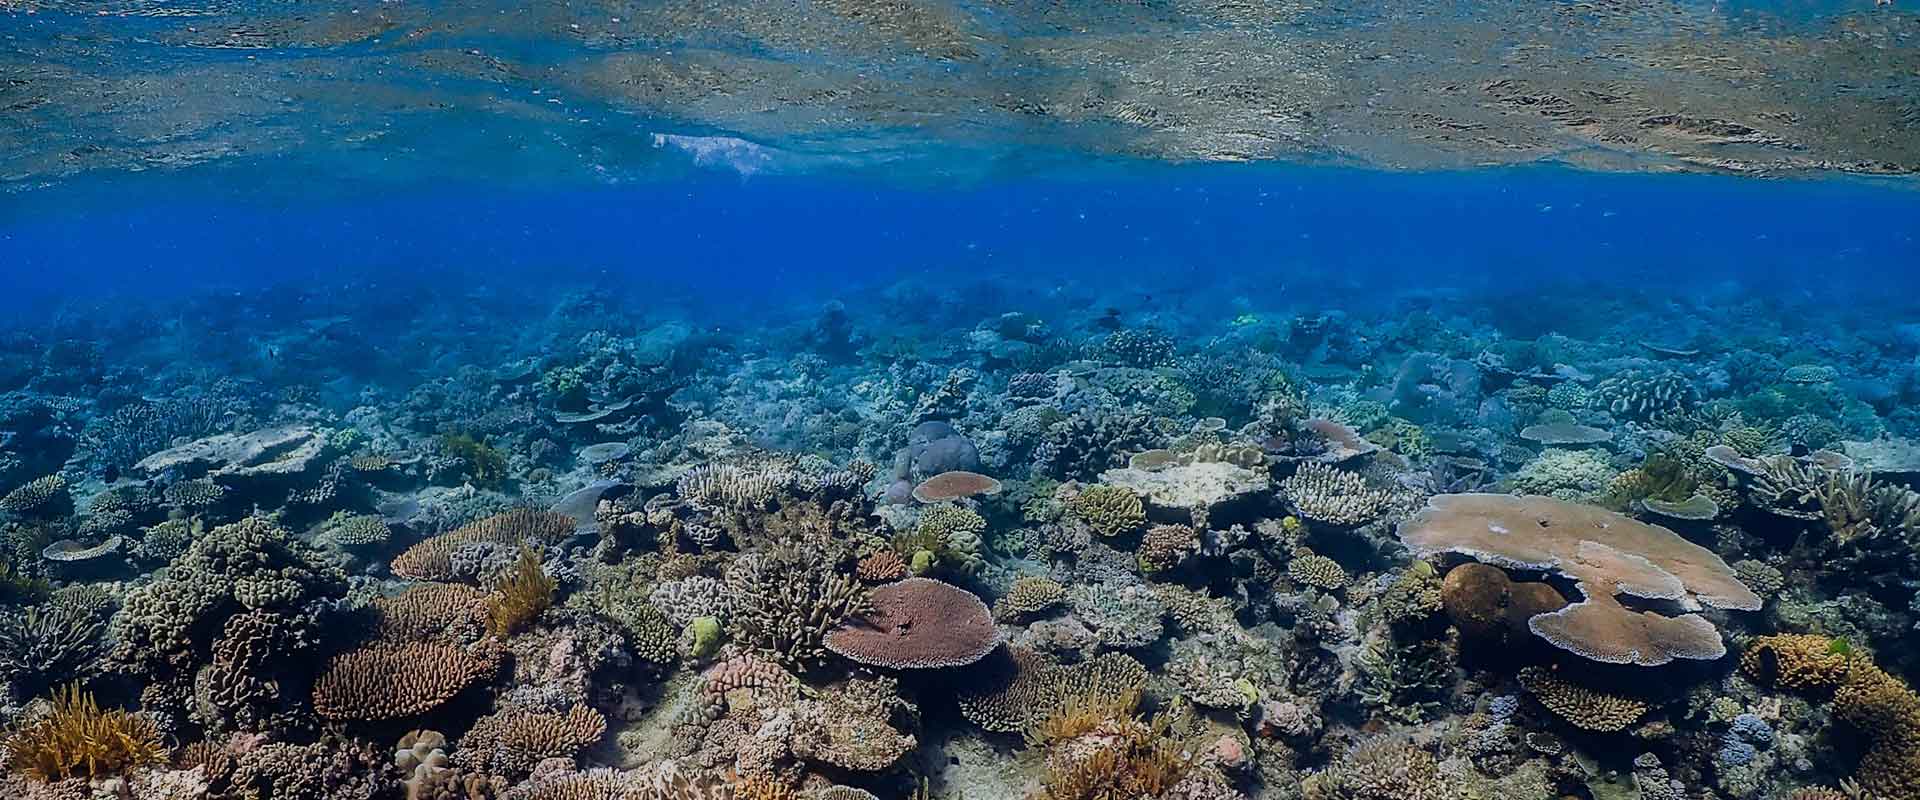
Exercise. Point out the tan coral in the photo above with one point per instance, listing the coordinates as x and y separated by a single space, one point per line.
394 681
512 742
1607 555
1315 570
1029 595
1584 708
432 611
432 560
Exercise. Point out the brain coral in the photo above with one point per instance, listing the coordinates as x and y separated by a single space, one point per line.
432 560
918 623
1607 555
393 681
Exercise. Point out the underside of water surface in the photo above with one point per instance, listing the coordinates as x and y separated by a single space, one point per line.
980 400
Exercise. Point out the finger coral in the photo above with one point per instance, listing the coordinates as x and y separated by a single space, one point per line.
785 603
1336 497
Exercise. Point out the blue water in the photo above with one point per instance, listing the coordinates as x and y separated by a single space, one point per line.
1310 234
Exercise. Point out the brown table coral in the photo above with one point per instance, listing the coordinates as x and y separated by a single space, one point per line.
1608 556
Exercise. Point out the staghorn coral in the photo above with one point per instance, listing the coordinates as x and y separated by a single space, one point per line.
1606 554
1853 505
394 681
734 488
1381 768
684 600
1580 706
433 559
881 566
1108 510
513 741
520 595
75 738
1643 395
1573 475
1324 494
329 769
917 623
786 601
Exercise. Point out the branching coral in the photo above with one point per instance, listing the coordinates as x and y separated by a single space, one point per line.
511 742
1337 497
45 645
75 738
785 602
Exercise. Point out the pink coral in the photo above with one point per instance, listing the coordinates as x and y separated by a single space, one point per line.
1607 555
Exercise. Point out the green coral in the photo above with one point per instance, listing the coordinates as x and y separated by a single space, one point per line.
566 387
1108 510
706 636
485 466
949 537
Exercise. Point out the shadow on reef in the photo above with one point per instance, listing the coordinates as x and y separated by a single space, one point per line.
589 551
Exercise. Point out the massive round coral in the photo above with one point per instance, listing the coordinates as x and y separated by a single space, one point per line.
918 623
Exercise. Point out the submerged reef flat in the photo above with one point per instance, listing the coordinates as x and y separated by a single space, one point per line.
923 545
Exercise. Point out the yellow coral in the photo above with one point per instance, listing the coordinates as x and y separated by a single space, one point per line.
521 595
1796 661
1109 510
77 739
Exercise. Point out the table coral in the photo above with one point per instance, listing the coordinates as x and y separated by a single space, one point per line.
1606 554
